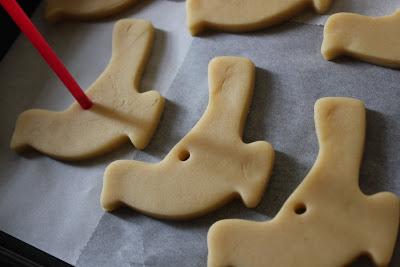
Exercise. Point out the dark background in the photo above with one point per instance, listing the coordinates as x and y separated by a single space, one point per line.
8 30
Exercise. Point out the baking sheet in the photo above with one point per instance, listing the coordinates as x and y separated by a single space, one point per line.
55 205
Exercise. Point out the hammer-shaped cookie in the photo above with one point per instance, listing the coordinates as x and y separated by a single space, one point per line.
84 9
119 112
245 15
372 39
209 167
327 221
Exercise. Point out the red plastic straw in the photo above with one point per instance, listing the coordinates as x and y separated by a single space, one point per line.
31 32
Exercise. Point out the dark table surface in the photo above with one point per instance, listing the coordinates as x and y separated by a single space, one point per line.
8 30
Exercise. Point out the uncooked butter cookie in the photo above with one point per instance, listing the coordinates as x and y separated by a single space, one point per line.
209 167
84 9
245 15
119 111
327 221
372 39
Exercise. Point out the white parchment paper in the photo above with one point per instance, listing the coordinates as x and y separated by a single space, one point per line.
54 205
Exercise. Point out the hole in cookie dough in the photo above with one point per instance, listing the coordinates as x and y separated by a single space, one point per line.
300 209
184 155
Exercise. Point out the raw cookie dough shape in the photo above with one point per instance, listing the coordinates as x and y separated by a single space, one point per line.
119 111
245 15
209 167
327 221
372 39
84 9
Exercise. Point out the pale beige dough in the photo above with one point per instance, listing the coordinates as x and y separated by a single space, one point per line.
245 15
209 167
371 39
339 222
119 112
84 9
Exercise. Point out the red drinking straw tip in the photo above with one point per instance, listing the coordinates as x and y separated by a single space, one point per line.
34 36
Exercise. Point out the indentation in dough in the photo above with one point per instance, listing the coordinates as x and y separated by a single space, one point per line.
300 208
184 155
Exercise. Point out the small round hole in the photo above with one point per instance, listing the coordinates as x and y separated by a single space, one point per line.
184 155
300 209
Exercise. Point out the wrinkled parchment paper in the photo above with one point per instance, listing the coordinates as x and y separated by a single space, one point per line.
54 205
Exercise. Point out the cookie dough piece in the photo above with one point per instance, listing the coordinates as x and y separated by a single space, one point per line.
119 111
84 9
245 15
209 167
327 221
371 39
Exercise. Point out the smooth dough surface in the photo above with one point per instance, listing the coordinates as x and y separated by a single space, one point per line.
119 111
209 167
372 39
327 221
84 9
245 15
